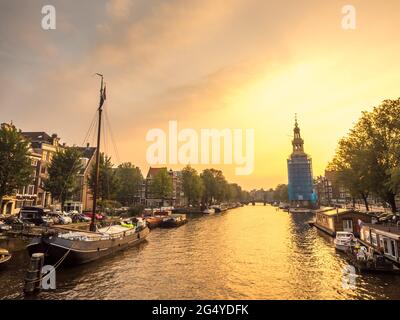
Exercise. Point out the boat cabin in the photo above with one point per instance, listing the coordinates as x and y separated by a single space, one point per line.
385 239
335 220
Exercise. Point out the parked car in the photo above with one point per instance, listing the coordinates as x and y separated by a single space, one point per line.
34 215
65 218
98 216
59 218
4 226
78 217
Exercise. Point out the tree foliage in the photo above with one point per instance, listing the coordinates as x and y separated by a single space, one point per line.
368 158
192 185
15 165
216 188
281 193
129 178
161 186
63 171
108 183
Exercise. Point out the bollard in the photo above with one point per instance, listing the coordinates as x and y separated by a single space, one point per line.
33 278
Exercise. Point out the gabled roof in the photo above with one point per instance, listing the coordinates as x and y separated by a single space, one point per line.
87 152
38 136
153 171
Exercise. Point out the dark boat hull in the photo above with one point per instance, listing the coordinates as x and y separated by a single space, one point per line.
69 252
172 224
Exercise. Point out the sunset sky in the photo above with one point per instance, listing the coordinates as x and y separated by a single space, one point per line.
204 63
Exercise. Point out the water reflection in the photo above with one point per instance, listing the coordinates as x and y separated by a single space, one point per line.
247 253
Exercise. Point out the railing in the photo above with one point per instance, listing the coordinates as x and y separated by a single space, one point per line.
392 226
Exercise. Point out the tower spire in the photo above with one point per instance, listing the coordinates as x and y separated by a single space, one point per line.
298 142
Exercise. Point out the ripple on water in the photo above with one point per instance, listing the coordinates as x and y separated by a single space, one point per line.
247 253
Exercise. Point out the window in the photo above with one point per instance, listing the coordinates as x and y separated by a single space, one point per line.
348 225
385 246
393 248
374 239
367 236
31 190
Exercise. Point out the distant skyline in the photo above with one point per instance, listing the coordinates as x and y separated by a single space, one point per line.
249 64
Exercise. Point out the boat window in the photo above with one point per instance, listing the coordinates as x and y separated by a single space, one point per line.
374 239
367 236
386 247
348 225
393 247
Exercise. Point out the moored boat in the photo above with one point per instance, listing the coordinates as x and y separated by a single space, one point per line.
300 210
174 221
154 222
344 240
209 211
366 261
283 206
79 247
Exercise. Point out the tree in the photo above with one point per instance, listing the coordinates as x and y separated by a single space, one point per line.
107 185
245 196
63 171
369 156
235 192
192 185
15 165
281 193
352 164
161 186
215 186
129 179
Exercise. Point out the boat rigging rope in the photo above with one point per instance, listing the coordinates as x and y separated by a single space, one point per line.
56 265
89 132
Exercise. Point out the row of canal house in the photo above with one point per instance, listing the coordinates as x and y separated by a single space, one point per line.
42 148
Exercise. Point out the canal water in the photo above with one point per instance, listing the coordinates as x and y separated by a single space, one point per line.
246 253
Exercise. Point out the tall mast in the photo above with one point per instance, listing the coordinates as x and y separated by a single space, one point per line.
96 168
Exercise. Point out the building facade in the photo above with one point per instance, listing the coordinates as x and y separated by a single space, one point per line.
84 195
300 174
330 192
177 197
45 146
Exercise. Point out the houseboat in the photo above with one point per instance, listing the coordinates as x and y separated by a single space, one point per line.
384 239
367 261
336 220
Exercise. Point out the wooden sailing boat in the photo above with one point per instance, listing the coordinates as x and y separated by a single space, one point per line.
78 247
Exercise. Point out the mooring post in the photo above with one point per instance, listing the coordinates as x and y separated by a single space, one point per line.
33 277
